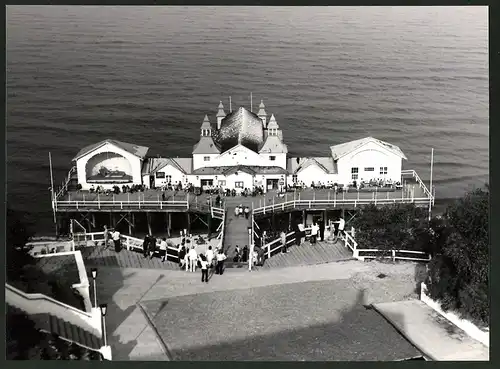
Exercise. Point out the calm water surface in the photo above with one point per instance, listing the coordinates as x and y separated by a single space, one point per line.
416 77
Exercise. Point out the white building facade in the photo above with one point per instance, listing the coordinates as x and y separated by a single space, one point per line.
242 150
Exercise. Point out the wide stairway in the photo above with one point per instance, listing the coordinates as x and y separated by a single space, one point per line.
235 228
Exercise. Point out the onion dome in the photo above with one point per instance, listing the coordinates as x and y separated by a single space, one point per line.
241 127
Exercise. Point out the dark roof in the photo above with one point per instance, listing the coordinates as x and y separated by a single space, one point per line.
241 127
139 151
244 168
54 325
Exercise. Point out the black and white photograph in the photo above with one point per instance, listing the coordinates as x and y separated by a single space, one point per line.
247 183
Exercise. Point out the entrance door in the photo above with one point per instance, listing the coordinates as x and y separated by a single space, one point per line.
272 184
151 181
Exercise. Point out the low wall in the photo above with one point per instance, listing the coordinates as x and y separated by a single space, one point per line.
471 329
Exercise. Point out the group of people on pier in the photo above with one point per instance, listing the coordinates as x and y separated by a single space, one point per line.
189 260
241 211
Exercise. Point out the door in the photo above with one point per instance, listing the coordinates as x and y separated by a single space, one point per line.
152 181
206 182
272 184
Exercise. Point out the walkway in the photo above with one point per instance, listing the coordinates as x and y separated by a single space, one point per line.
236 227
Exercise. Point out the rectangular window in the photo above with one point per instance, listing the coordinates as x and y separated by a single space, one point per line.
222 183
369 169
294 178
272 157
354 173
383 170
206 158
239 184
160 174
168 179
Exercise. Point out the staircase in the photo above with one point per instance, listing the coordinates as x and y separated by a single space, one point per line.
235 228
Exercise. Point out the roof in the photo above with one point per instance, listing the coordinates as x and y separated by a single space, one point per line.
252 169
241 127
262 111
434 335
272 123
325 163
206 145
206 123
221 112
153 165
139 151
338 151
273 144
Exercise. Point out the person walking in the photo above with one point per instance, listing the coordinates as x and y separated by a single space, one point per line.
219 269
314 233
244 254
163 249
106 237
181 253
145 246
116 241
152 247
237 254
193 257
204 268
237 211
283 242
240 210
210 256
247 212
341 226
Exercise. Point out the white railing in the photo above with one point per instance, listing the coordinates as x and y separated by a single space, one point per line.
222 228
64 187
419 181
115 204
217 212
130 243
351 243
338 202
275 245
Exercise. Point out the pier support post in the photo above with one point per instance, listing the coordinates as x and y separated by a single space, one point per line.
290 220
304 218
209 225
273 221
169 223
148 217
129 225
189 222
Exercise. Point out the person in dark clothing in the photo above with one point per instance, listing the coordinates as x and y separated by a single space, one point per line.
244 254
182 255
145 246
152 247
163 196
321 224
203 264
297 236
219 269
217 200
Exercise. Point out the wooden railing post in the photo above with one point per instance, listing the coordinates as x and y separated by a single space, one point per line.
393 255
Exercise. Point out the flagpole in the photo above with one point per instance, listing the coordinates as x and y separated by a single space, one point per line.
230 106
52 188
251 103
430 184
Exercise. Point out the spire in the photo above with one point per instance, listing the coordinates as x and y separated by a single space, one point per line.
272 123
206 127
262 113
221 112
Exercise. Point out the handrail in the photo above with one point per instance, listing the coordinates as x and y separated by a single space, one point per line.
335 202
222 230
64 188
419 181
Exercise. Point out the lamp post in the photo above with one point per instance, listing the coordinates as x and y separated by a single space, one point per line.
104 308
250 243
94 276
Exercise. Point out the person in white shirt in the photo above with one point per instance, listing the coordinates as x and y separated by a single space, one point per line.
163 249
116 240
314 232
219 269
341 222
210 256
204 268
237 211
193 257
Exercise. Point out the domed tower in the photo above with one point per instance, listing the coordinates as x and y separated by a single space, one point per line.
273 148
206 150
220 115
262 113
241 127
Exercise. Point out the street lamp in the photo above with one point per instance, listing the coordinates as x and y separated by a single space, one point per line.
250 243
94 276
104 308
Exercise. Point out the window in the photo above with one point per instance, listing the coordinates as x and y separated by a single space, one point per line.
160 174
239 184
222 183
206 158
354 173
294 178
383 170
369 169
168 179
272 157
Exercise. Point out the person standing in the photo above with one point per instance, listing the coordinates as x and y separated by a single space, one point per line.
181 253
210 256
219 269
237 254
152 247
237 211
163 249
283 242
204 268
302 232
240 210
314 233
116 240
244 254
341 228
106 237
145 246
247 211
193 257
